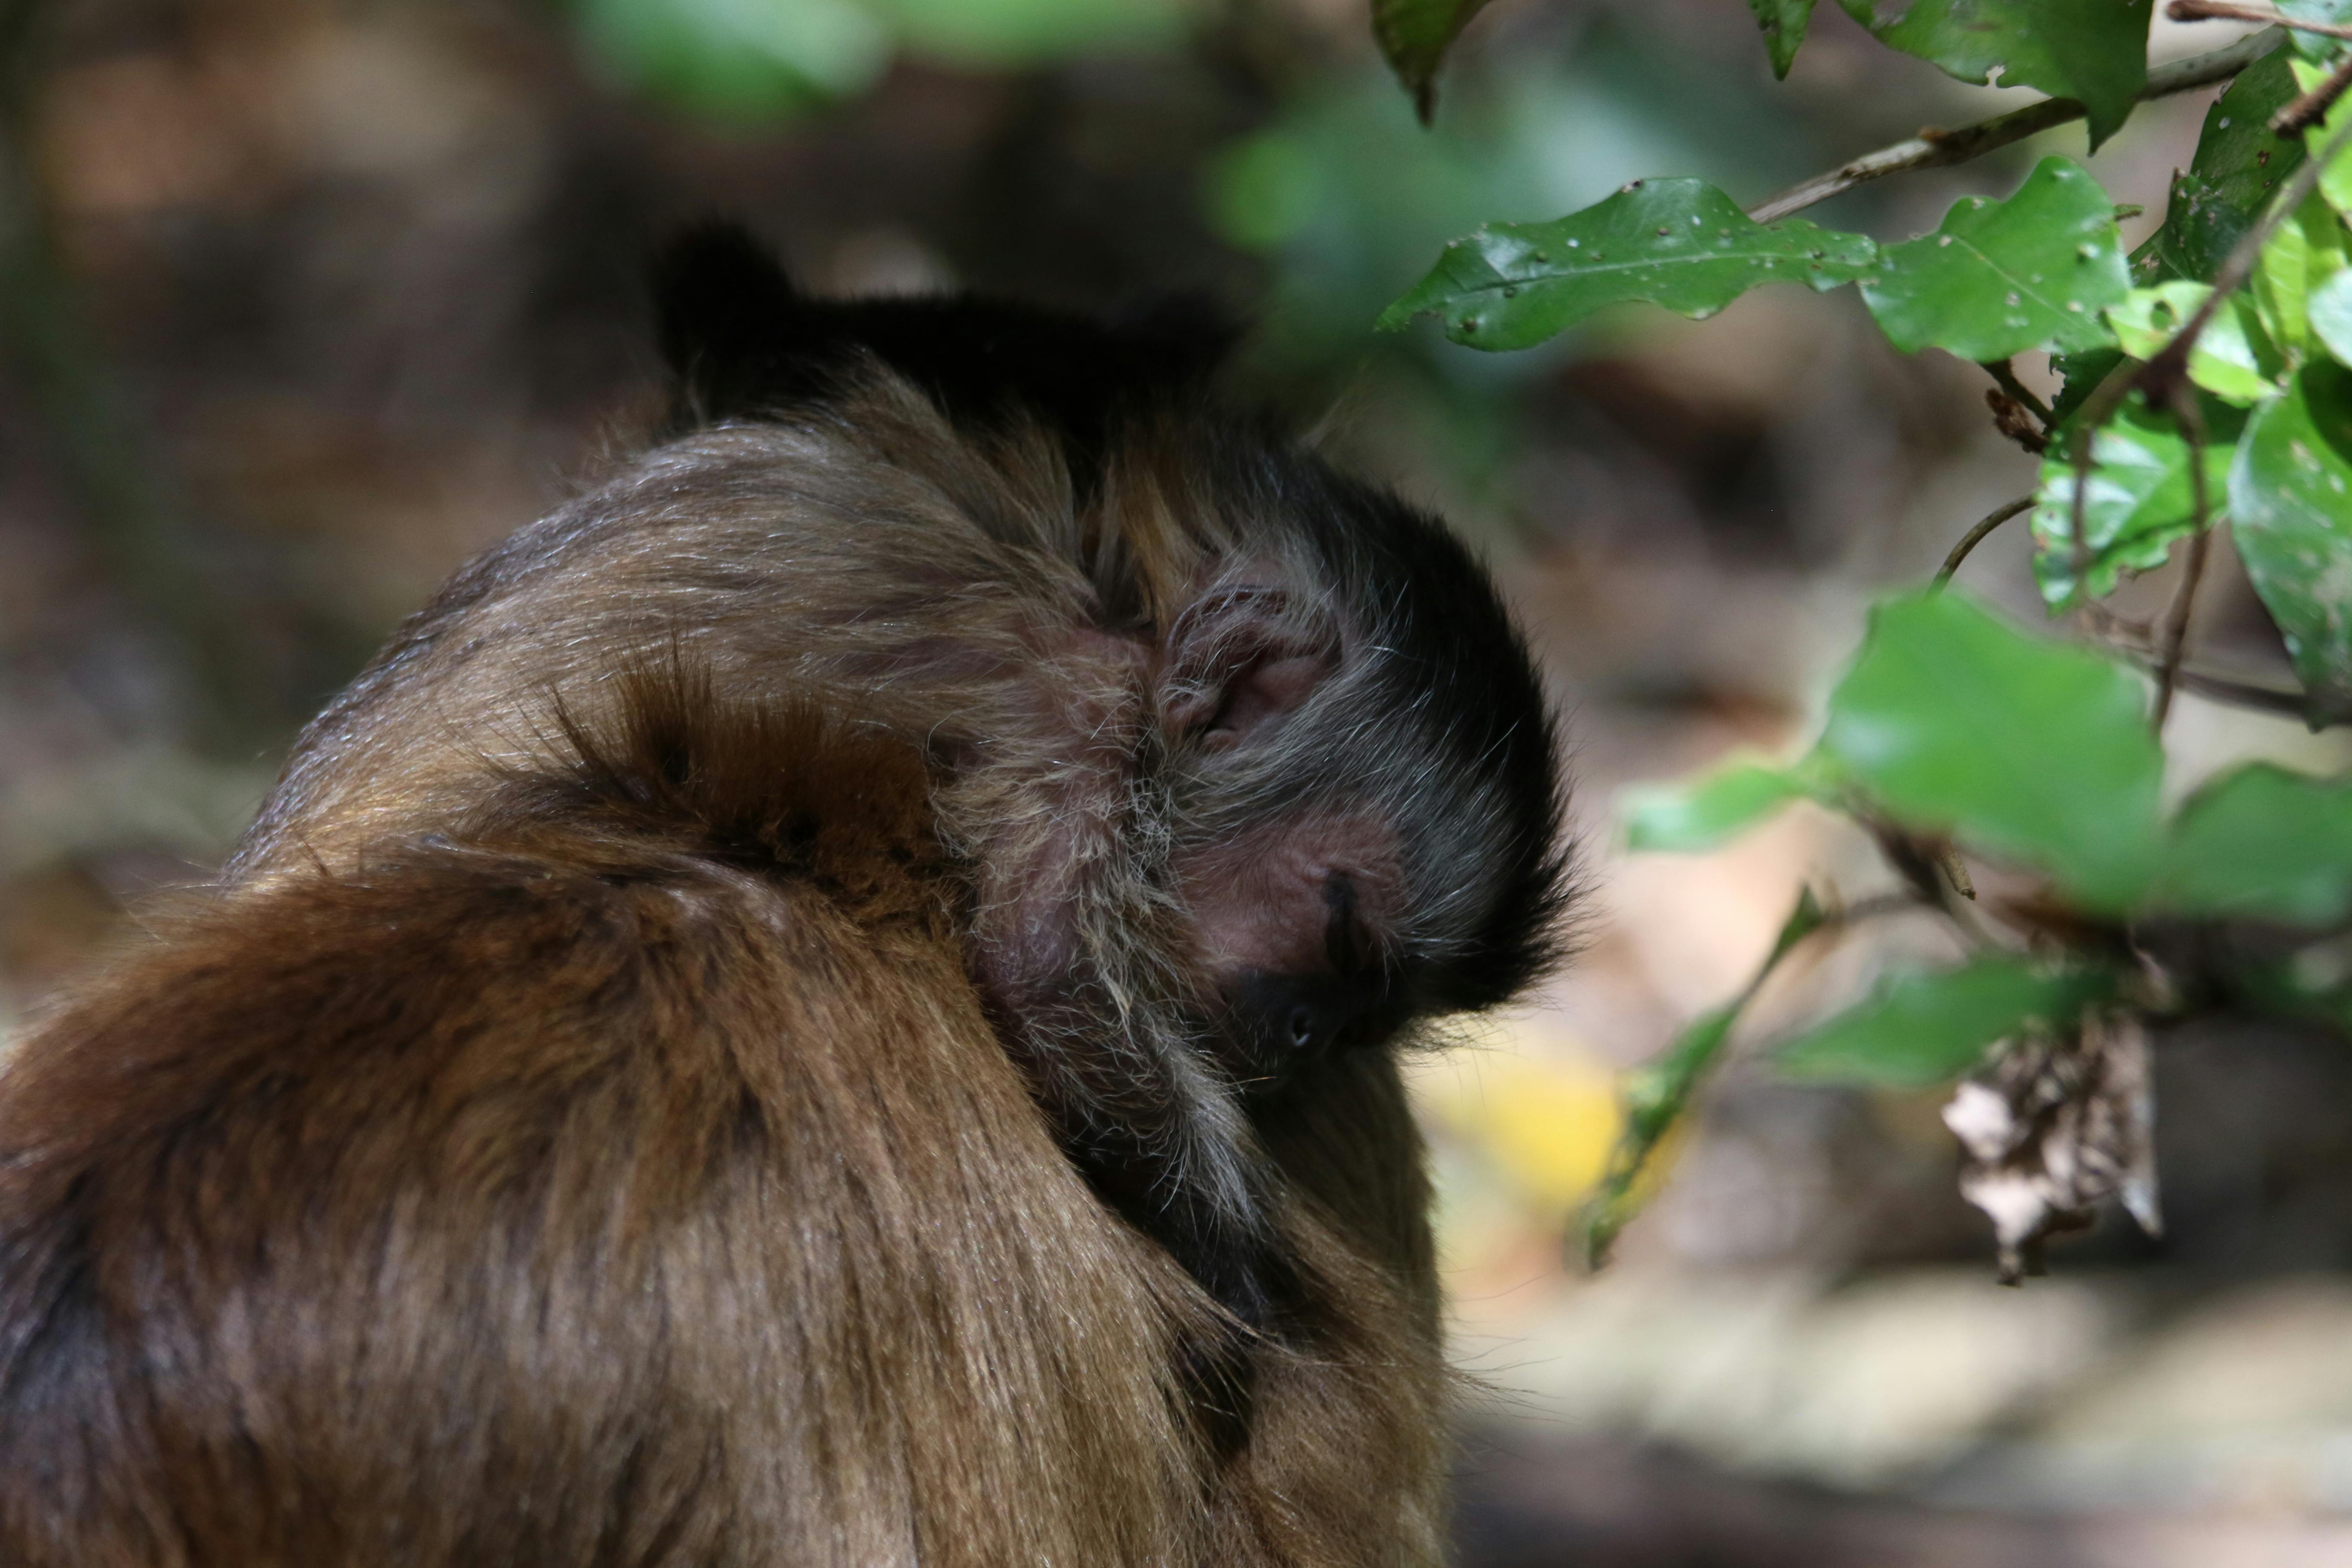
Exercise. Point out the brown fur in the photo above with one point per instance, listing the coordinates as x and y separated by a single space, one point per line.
629 1176
624 1103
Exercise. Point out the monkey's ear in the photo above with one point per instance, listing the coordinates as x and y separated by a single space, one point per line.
725 312
1240 658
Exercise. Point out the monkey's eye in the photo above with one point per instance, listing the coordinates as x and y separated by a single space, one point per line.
1302 1028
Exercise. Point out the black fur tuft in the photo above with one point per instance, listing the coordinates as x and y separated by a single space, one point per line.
745 343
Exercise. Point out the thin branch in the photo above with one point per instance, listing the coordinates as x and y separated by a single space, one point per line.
2220 11
1933 149
2095 410
2239 693
2014 423
2006 377
2308 108
2175 621
1977 535
2017 414
2312 107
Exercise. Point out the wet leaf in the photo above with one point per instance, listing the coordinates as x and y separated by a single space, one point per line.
2291 510
1916 1030
2138 502
2262 843
2057 1126
1705 813
1414 34
2095 51
1677 243
2001 277
1784 23
2020 747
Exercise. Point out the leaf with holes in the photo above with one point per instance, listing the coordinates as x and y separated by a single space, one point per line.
1784 23
2138 502
2095 51
1999 278
1678 243
2021 748
2237 167
2291 515
2233 357
1917 1030
1415 35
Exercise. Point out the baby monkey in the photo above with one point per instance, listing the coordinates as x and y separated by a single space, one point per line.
835 1001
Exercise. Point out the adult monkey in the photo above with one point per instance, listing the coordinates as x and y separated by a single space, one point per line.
833 1002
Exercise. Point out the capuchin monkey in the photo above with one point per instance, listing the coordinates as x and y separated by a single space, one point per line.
836 1001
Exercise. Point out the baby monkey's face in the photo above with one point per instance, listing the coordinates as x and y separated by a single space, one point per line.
1295 925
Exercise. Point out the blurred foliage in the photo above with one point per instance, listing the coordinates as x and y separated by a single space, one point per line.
1414 34
747 61
1953 735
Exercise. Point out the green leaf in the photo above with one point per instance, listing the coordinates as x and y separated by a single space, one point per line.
2233 357
2263 843
2336 180
2330 311
1415 35
2020 747
2305 249
2237 167
2290 512
1704 814
1658 1092
2139 501
1919 1030
1784 23
2001 277
2079 376
1678 243
2317 45
2095 51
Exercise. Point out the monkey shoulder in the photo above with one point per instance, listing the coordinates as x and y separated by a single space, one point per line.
557 1134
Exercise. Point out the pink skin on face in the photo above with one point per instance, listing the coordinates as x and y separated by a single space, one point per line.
1261 903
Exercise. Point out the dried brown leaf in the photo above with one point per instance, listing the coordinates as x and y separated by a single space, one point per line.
2054 1127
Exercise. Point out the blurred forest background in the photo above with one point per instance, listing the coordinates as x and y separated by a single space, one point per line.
304 301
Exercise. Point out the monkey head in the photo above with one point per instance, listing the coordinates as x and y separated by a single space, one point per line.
1362 774
1340 768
